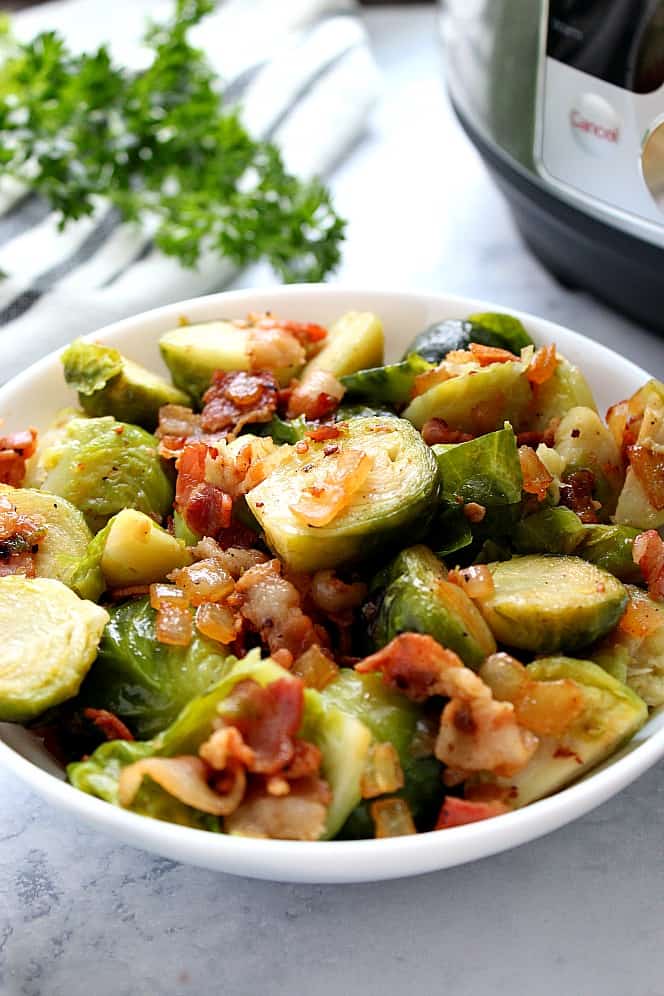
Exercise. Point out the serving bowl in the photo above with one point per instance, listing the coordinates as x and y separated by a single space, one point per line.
35 396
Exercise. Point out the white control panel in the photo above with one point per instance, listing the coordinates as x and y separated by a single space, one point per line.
591 140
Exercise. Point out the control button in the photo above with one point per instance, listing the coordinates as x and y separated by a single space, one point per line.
652 164
595 124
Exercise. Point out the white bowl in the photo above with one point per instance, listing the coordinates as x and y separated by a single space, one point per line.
33 398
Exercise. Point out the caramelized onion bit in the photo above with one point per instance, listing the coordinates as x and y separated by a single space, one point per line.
476 580
216 622
319 504
536 478
382 772
543 365
648 553
640 618
392 818
315 668
546 708
185 778
648 466
300 815
204 581
486 355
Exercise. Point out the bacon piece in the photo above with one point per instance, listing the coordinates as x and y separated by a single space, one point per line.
17 563
476 732
238 469
268 719
543 365
233 559
224 747
237 398
273 348
323 432
458 812
333 596
306 333
425 381
306 761
436 430
536 478
474 512
648 466
186 779
316 397
208 510
648 553
20 536
109 724
299 815
272 606
576 492
486 355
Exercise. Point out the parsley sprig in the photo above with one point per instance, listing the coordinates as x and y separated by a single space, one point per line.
160 143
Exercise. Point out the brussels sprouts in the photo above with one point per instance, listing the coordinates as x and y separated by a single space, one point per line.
67 535
392 383
584 442
611 714
477 401
610 547
399 494
484 470
50 639
347 411
392 718
551 530
181 530
418 598
640 502
343 740
144 682
545 604
102 466
503 331
566 389
110 384
282 430
354 342
643 644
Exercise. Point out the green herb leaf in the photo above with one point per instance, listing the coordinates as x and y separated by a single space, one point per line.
160 143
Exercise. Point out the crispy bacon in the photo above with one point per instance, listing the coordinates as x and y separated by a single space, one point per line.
20 536
15 449
239 468
436 430
238 398
486 355
323 432
536 478
334 596
186 779
576 492
274 347
306 761
109 724
272 607
268 719
18 563
233 559
648 553
315 397
307 333
476 732
543 365
458 812
205 508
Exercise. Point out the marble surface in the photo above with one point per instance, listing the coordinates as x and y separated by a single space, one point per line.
576 912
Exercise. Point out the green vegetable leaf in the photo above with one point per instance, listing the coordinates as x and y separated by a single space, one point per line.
160 143
485 470
508 331
392 383
88 367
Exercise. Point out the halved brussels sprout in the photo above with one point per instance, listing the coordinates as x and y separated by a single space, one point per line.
354 342
67 535
102 466
611 714
559 530
399 493
144 682
110 384
489 329
391 718
476 401
567 388
584 442
419 599
392 383
343 740
643 644
49 641
484 470
545 604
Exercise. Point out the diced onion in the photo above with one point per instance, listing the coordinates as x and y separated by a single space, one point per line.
204 581
174 625
536 478
315 668
382 772
548 707
392 818
216 622
167 594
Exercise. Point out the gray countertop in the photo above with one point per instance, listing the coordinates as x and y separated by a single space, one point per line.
576 912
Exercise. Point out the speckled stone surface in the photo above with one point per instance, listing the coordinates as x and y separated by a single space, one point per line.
578 912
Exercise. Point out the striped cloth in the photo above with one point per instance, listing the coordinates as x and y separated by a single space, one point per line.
306 79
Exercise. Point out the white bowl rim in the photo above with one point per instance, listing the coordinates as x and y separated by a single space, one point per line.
348 860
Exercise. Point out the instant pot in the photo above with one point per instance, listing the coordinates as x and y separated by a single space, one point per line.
564 99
